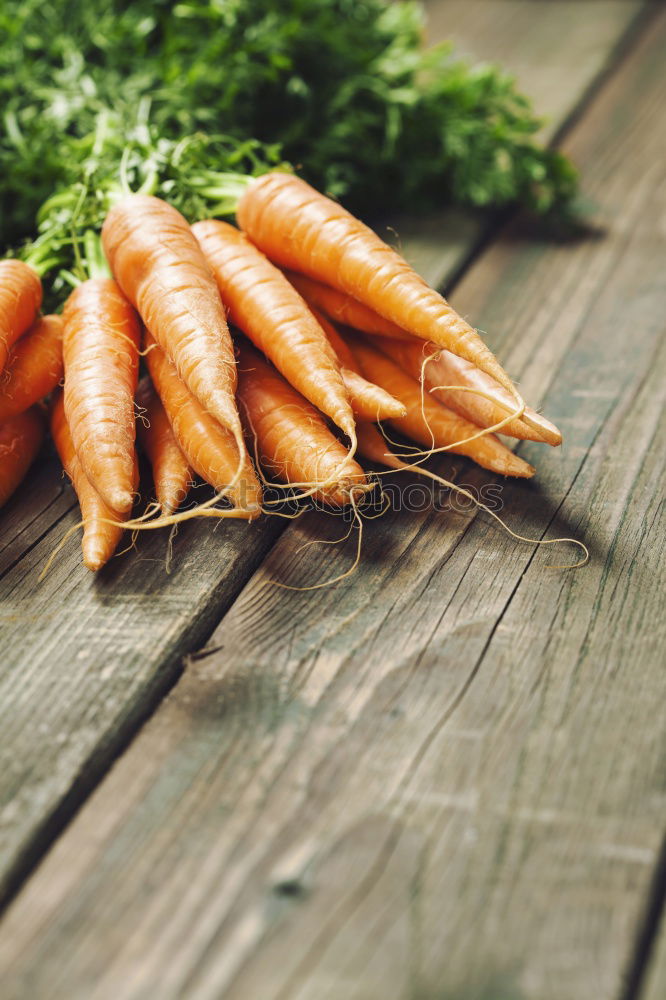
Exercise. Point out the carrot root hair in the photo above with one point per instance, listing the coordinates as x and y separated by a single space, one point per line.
341 576
442 481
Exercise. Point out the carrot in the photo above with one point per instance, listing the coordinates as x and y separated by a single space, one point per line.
34 367
171 472
272 314
20 300
373 447
209 448
102 529
291 436
444 368
161 269
304 231
436 426
368 401
343 308
101 354
20 440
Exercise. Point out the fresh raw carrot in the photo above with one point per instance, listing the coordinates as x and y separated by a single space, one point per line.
161 269
20 300
102 529
369 402
292 438
209 448
171 471
20 439
444 369
304 231
263 304
343 308
101 354
34 367
436 426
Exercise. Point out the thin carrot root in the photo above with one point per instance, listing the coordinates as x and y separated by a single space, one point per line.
371 446
341 576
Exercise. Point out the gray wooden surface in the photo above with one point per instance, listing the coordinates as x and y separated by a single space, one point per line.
444 777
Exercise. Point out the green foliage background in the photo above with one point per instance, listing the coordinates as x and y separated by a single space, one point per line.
340 88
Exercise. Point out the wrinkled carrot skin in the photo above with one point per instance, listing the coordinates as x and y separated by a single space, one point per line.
208 447
20 300
161 269
440 423
34 367
20 440
292 438
368 401
263 304
343 308
171 472
101 354
304 231
100 537
445 368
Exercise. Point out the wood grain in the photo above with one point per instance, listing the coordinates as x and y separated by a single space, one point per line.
83 659
442 778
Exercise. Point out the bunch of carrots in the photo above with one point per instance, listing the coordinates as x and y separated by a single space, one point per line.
288 346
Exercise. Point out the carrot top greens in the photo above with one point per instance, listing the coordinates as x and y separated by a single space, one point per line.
341 88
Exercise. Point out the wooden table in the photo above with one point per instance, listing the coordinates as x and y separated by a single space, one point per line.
442 778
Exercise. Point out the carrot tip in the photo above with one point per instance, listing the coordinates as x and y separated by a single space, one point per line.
120 500
94 560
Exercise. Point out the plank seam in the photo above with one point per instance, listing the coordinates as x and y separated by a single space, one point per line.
648 930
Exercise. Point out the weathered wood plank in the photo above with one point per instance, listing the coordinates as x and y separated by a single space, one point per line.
442 777
83 660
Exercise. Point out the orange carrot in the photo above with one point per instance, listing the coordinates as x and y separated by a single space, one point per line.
436 426
20 440
100 536
171 472
292 438
34 367
264 306
161 269
304 231
373 447
343 308
20 299
369 401
209 448
101 353
445 369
